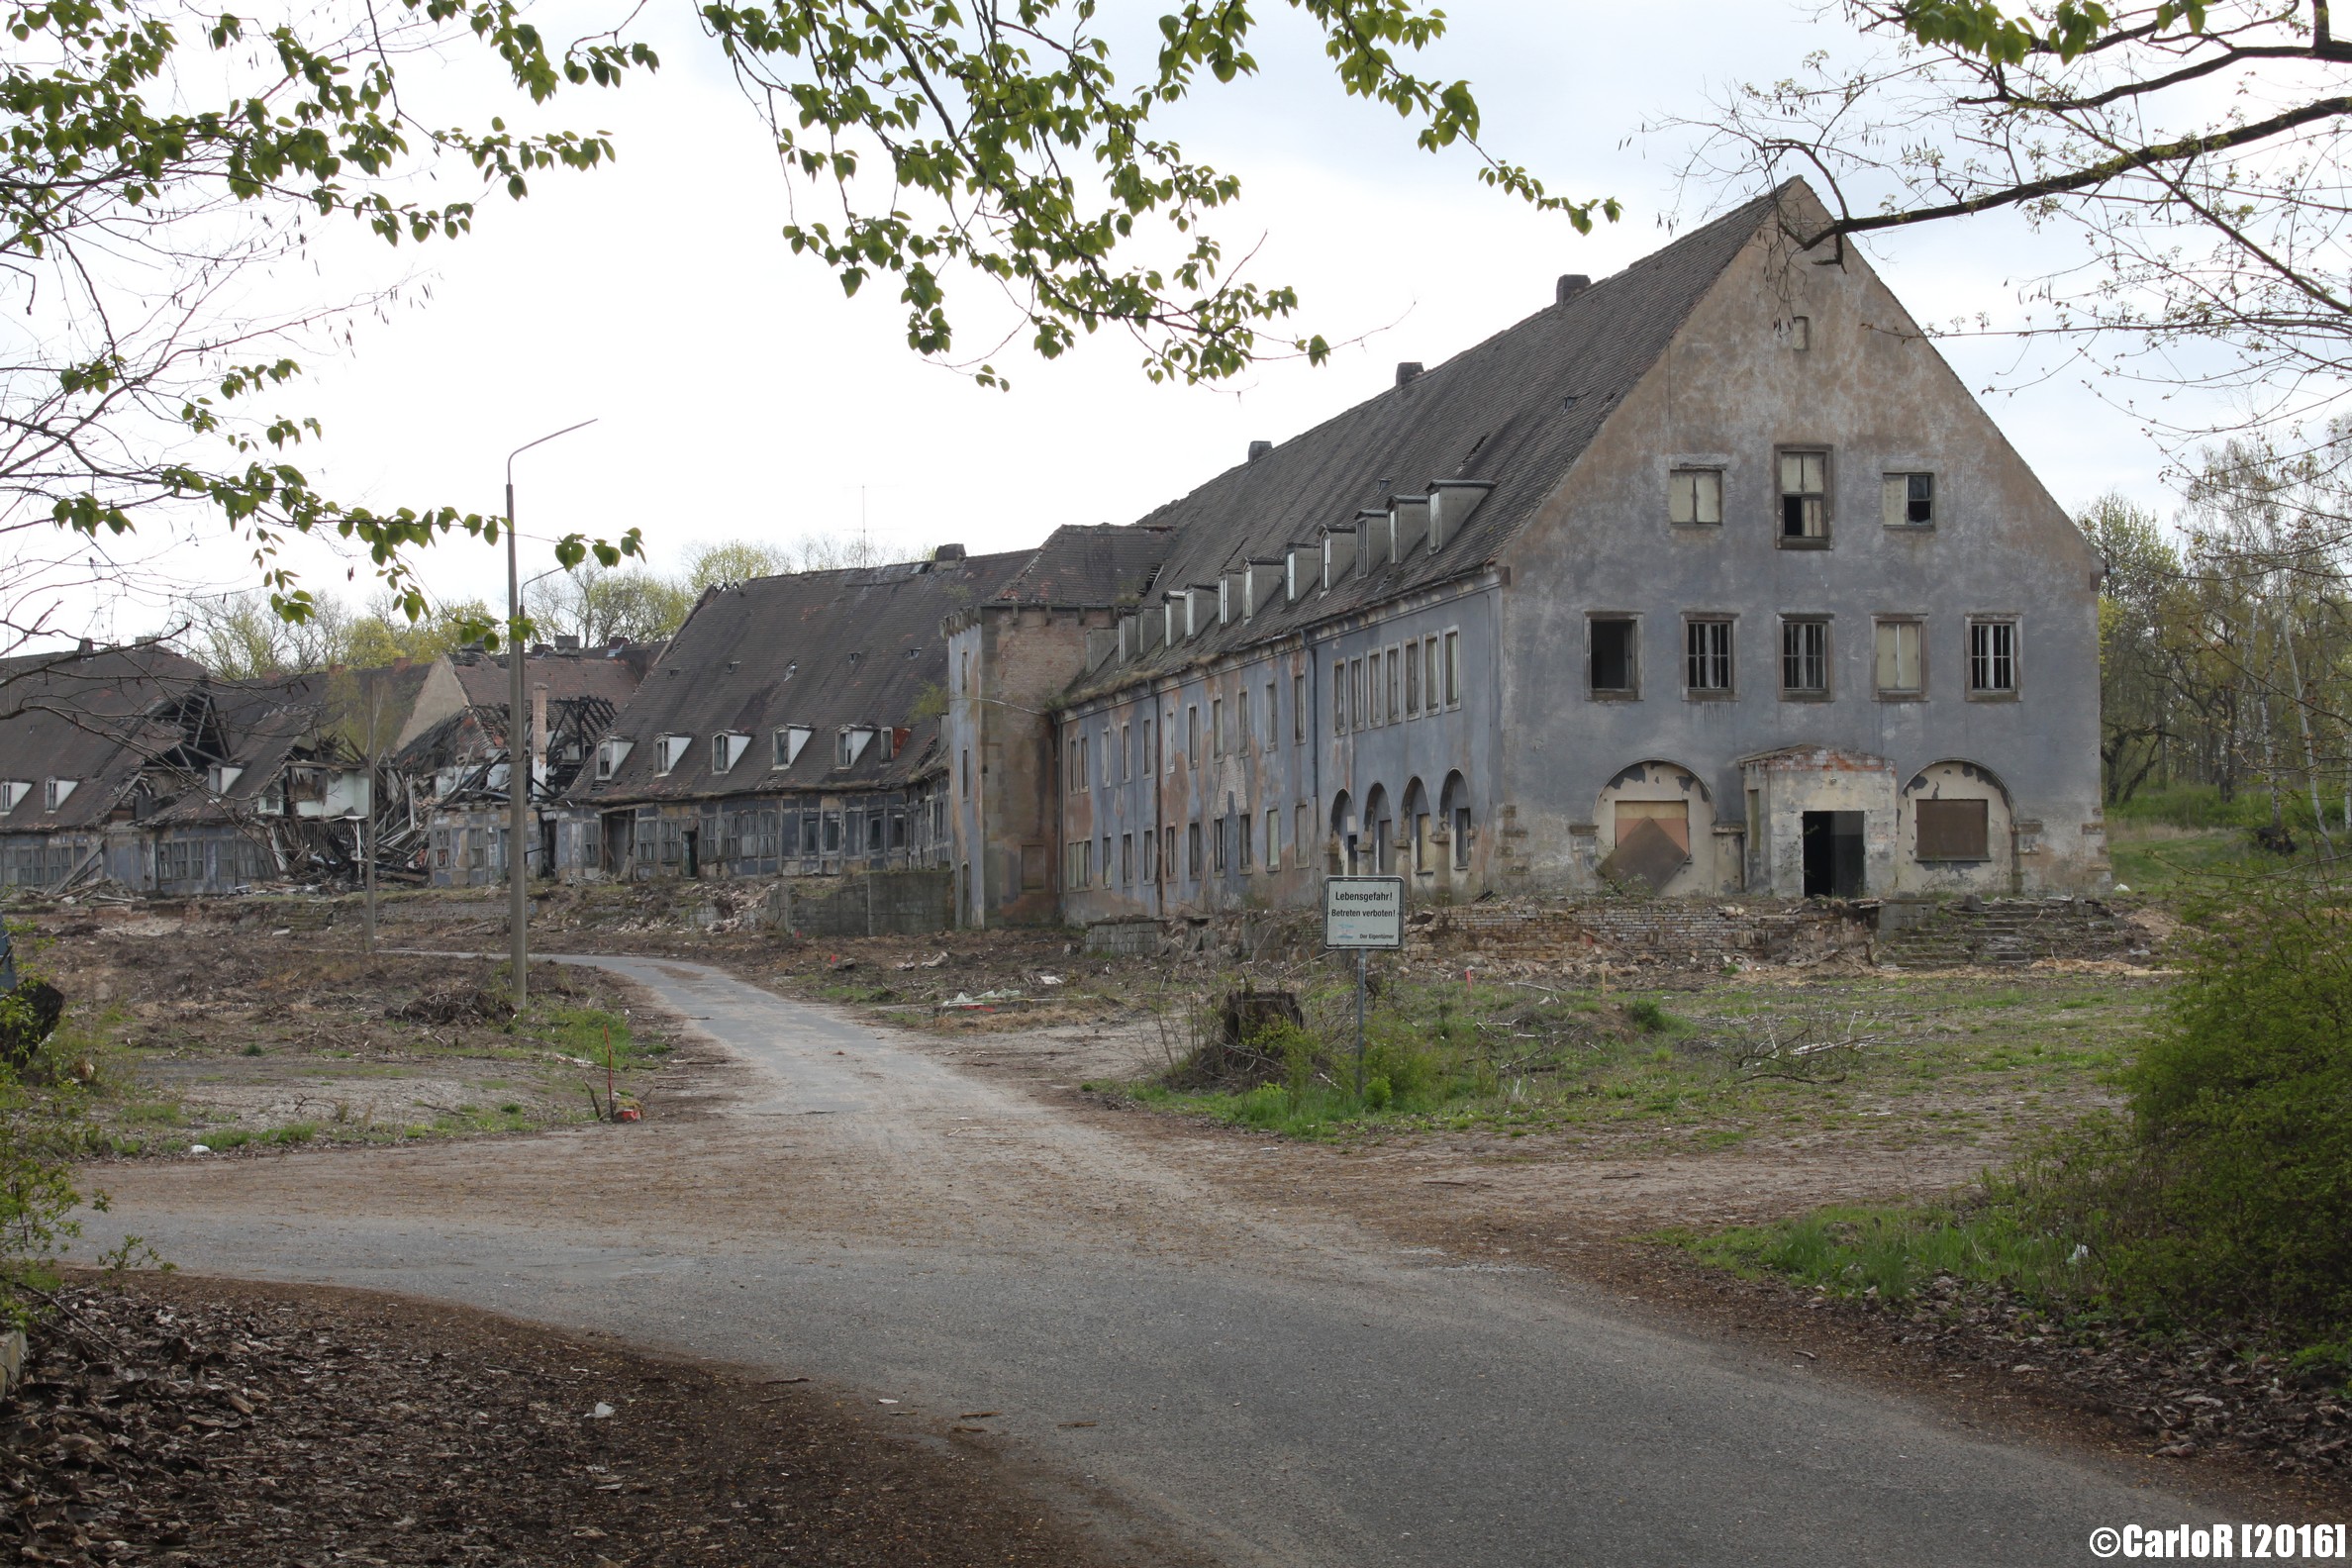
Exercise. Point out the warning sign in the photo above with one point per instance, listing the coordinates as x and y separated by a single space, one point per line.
1364 912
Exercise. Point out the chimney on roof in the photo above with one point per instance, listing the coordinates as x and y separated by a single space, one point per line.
948 552
615 642
85 647
1570 285
1259 449
1406 370
567 643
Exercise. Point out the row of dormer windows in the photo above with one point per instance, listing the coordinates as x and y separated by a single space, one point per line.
53 792
730 746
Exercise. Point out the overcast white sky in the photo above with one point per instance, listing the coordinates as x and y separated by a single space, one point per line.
739 394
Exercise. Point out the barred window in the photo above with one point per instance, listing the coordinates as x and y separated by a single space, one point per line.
1708 644
1993 657
1804 658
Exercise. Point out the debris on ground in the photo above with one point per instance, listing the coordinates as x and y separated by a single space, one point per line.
456 1005
222 1425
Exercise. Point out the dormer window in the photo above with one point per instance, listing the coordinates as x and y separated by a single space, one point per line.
674 749
221 777
610 754
851 744
13 792
786 744
53 792
727 748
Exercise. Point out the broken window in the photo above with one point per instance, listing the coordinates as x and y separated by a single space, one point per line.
1695 495
1126 859
1217 727
1453 669
1901 672
1461 837
1804 658
1168 861
1272 733
1075 855
1339 697
1273 838
1150 859
1192 851
1412 684
1907 500
1299 707
1359 704
1192 735
673 749
1708 666
1993 658
1953 829
1614 672
1126 743
1805 496
1246 826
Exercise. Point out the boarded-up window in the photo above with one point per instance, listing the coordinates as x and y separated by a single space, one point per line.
1953 829
1654 843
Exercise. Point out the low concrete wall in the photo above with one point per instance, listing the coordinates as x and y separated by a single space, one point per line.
886 903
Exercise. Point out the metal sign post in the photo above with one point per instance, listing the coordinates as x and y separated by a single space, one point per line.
1363 912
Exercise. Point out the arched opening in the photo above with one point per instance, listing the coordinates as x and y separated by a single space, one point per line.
1420 853
1453 810
1955 831
1656 828
1340 854
1378 846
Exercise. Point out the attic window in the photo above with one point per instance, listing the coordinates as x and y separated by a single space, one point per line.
221 778
1796 332
786 743
727 748
674 749
13 792
609 757
851 744
53 792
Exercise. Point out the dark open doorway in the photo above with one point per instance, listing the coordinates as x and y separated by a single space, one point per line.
694 854
546 854
1832 854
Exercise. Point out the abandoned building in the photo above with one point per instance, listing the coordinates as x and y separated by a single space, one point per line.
453 750
1709 577
792 726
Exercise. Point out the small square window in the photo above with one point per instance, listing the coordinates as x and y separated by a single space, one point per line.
1901 648
1798 333
1695 495
1614 647
1804 658
1805 497
1993 658
1907 500
1709 658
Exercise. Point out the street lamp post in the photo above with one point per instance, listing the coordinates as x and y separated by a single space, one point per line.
518 743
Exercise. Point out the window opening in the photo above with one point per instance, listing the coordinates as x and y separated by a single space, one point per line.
1804 499
1993 656
1900 672
1907 500
1453 669
1613 647
1695 495
1709 661
1804 658
1953 829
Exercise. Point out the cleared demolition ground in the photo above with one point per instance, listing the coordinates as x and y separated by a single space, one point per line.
1592 1092
231 1027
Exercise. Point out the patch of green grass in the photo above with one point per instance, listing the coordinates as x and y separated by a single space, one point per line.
157 1113
252 1050
1894 1252
510 1109
294 1132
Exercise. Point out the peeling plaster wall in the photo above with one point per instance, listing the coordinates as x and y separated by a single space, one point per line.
1878 397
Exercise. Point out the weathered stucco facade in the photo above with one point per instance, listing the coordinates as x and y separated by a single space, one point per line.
1711 579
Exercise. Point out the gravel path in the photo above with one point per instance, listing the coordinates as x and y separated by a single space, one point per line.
1203 1376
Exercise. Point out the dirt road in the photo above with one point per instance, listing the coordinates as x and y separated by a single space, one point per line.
1207 1376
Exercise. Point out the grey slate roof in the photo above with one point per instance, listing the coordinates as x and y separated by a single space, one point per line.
827 649
1517 409
1091 566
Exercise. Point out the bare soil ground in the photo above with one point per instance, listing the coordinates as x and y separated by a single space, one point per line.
216 1027
202 1422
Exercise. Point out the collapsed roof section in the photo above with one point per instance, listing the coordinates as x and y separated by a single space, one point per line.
809 681
94 723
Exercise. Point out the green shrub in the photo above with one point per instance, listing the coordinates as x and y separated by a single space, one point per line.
1378 1092
2243 1108
1648 1016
